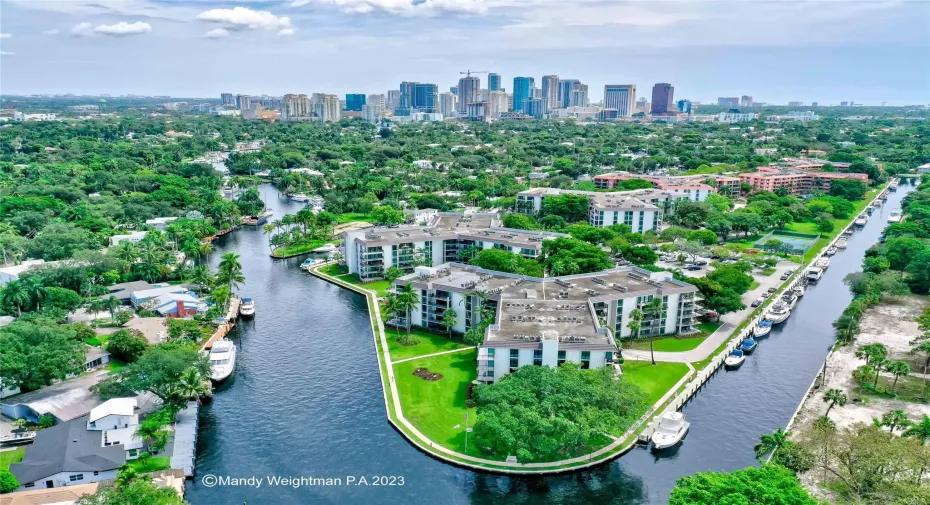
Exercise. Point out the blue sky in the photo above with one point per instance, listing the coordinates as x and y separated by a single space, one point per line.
776 51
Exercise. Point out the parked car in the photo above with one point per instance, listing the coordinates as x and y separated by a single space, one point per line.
785 276
701 262
757 302
772 290
693 268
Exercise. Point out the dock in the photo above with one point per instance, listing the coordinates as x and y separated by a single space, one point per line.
228 323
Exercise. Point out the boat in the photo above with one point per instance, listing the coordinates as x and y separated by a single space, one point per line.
860 221
247 307
798 291
309 262
895 216
18 438
748 345
735 359
841 243
300 197
790 299
893 186
831 251
672 428
822 263
222 360
263 216
869 210
778 314
814 274
762 329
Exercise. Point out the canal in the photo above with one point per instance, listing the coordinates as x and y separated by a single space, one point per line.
306 401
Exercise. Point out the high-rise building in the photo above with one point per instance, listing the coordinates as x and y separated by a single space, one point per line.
497 103
228 99
243 102
376 99
815 104
393 99
522 90
327 107
663 101
579 96
467 92
294 107
620 97
550 91
684 106
566 86
535 107
372 112
795 104
494 82
844 104
454 90
355 101
426 97
406 95
728 102
447 104
745 101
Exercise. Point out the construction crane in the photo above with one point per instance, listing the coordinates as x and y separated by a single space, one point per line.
468 73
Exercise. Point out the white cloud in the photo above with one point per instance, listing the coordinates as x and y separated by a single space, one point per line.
242 18
7 53
412 7
120 29
6 35
53 31
217 33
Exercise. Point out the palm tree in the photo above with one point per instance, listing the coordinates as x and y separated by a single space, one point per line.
449 318
771 443
191 385
869 352
391 307
201 276
407 300
126 252
897 368
652 310
636 318
920 429
112 305
834 397
893 420
37 291
878 364
230 270
96 306
16 294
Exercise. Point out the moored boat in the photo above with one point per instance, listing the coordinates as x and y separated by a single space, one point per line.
790 299
762 329
814 274
831 251
798 291
778 314
672 428
822 263
263 216
895 216
841 243
860 221
222 360
735 359
748 345
300 197
18 438
893 186
247 307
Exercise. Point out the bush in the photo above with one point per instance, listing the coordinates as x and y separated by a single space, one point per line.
47 421
8 482
127 345
795 457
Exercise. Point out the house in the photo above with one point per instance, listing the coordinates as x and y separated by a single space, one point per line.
64 496
65 400
176 304
90 448
123 291
11 273
134 237
423 163
143 296
420 216
96 357
160 223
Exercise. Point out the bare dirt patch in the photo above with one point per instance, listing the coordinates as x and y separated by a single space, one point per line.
426 375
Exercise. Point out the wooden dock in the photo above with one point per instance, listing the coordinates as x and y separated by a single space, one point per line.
224 329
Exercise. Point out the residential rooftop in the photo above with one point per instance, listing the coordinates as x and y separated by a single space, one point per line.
453 225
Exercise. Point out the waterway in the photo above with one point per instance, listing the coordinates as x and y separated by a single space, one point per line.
306 401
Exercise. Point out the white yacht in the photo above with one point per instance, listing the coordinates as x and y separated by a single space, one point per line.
222 360
822 263
300 197
762 329
814 274
895 216
861 220
841 243
798 291
790 299
831 251
672 428
247 307
735 359
779 313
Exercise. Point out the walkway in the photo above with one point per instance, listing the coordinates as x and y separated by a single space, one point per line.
730 322
434 354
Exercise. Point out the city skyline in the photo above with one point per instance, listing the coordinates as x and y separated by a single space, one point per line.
705 49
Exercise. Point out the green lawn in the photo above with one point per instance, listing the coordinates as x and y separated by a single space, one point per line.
9 457
438 408
754 285
668 344
349 217
429 343
297 248
97 341
908 389
116 364
699 365
153 464
709 328
656 379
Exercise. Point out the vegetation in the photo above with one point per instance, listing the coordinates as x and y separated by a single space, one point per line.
769 485
163 371
132 491
37 350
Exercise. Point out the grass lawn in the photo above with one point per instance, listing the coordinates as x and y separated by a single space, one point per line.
908 389
153 464
349 217
9 457
97 341
116 364
699 365
297 248
668 344
754 285
656 379
709 328
429 343
438 408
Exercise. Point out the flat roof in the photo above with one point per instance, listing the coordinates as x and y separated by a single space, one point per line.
65 400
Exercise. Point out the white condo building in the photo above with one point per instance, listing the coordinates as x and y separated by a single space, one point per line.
620 97
640 209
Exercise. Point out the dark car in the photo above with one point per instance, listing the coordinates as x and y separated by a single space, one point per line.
772 290
756 302
693 268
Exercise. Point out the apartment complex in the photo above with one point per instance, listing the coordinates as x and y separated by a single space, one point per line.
620 97
446 238
797 182
692 186
641 209
548 321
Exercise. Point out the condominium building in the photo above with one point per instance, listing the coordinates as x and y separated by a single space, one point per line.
295 107
377 99
446 238
355 101
579 96
228 98
797 182
663 101
393 99
372 112
550 91
522 91
467 93
566 86
494 82
447 104
730 101
620 97
535 107
497 104
736 117
684 106
692 186
548 321
243 102
640 209
327 107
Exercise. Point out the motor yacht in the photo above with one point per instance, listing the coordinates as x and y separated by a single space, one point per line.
790 299
300 197
735 359
222 360
822 263
247 307
778 314
814 274
748 345
798 291
841 243
893 186
672 428
861 220
831 251
762 329
895 216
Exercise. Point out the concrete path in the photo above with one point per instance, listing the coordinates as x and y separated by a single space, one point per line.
730 322
434 354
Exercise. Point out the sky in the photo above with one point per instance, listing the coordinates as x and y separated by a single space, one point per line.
776 51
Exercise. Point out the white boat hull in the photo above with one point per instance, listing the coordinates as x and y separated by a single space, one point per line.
761 331
661 441
221 372
734 362
777 318
247 311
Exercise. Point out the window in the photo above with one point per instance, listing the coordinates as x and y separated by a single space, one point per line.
514 359
490 374
537 357
93 424
76 477
628 218
490 352
608 357
585 359
133 452
30 484
96 473
561 357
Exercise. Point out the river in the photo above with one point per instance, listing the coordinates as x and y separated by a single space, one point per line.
306 400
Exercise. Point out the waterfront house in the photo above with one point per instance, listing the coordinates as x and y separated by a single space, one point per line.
10 273
133 237
60 496
150 295
65 400
90 448
160 223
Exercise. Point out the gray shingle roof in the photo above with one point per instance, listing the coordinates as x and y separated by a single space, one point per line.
67 447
